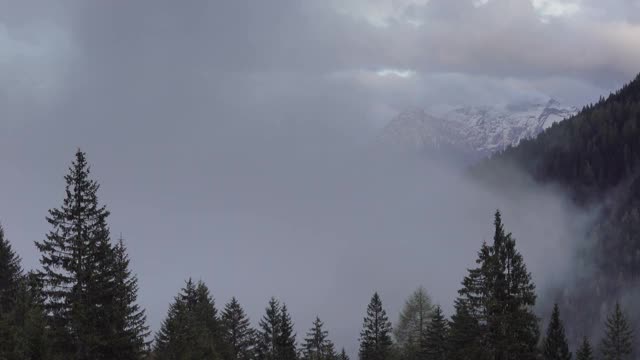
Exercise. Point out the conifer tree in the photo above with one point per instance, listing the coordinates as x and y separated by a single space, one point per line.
500 295
189 330
435 341
585 352
463 341
286 339
618 341
237 332
555 345
316 345
412 324
343 355
269 332
375 338
10 274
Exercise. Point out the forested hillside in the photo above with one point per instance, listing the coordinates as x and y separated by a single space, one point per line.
595 157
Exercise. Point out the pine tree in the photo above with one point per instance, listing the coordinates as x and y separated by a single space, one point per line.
10 274
375 338
435 341
269 332
585 352
237 332
74 273
316 345
499 294
463 341
286 339
618 341
129 320
412 324
343 355
188 332
555 345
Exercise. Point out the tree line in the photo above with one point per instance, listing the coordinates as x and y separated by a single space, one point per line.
81 303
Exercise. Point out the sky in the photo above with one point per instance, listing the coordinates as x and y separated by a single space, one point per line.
228 136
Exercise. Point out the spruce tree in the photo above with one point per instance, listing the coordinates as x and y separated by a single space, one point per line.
316 345
585 352
269 332
435 341
343 355
555 345
500 295
412 324
463 340
286 339
618 341
375 338
237 332
10 274
188 332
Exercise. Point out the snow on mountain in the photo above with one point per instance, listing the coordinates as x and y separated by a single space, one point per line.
475 130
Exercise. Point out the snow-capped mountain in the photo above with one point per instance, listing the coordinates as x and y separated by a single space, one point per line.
476 131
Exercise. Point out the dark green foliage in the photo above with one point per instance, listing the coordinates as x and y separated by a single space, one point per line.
618 340
464 339
555 345
435 342
343 355
237 333
585 352
375 337
191 330
500 295
88 290
316 345
286 339
10 274
269 332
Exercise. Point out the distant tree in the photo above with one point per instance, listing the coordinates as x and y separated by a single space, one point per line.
269 332
375 338
618 340
189 331
10 274
316 345
435 340
555 346
343 355
585 352
237 332
411 328
286 339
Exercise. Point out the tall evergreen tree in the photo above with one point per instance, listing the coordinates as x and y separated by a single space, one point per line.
286 339
463 340
316 345
618 340
269 332
555 345
237 332
86 289
10 274
375 338
500 295
189 331
435 341
585 352
412 324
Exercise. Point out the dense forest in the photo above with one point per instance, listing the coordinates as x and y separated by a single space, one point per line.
595 158
81 303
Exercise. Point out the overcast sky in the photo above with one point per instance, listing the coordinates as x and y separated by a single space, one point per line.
228 135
